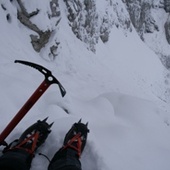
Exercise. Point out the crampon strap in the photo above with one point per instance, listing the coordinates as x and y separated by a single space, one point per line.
3 143
33 138
76 138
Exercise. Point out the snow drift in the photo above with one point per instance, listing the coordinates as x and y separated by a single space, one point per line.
117 90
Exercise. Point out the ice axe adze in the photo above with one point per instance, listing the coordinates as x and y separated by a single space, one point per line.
49 79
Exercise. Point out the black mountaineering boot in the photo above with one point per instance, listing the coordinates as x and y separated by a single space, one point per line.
19 154
67 158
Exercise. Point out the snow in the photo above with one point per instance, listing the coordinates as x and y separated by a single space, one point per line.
119 90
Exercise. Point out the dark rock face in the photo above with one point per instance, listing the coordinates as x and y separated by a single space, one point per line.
89 25
91 21
39 42
167 30
55 11
82 17
167 5
143 14
141 17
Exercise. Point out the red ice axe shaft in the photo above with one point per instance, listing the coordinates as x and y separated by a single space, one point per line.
49 79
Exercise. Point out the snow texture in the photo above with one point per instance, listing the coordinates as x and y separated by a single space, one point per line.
119 90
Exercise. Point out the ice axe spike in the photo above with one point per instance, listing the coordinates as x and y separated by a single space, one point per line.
49 79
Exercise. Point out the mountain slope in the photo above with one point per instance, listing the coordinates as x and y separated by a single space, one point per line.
117 90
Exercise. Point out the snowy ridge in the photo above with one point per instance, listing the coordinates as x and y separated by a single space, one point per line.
117 90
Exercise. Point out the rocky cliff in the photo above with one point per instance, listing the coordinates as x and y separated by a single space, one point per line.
152 22
91 21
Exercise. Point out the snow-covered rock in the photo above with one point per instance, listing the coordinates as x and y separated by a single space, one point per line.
113 81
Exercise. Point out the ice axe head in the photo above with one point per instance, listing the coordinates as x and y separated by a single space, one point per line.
50 79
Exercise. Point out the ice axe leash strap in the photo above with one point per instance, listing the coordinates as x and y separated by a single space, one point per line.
49 79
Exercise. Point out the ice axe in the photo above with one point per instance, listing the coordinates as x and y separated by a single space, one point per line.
49 79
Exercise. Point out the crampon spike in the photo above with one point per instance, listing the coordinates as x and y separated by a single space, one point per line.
79 121
50 124
45 119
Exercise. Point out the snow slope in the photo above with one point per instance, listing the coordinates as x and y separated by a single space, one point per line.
117 90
